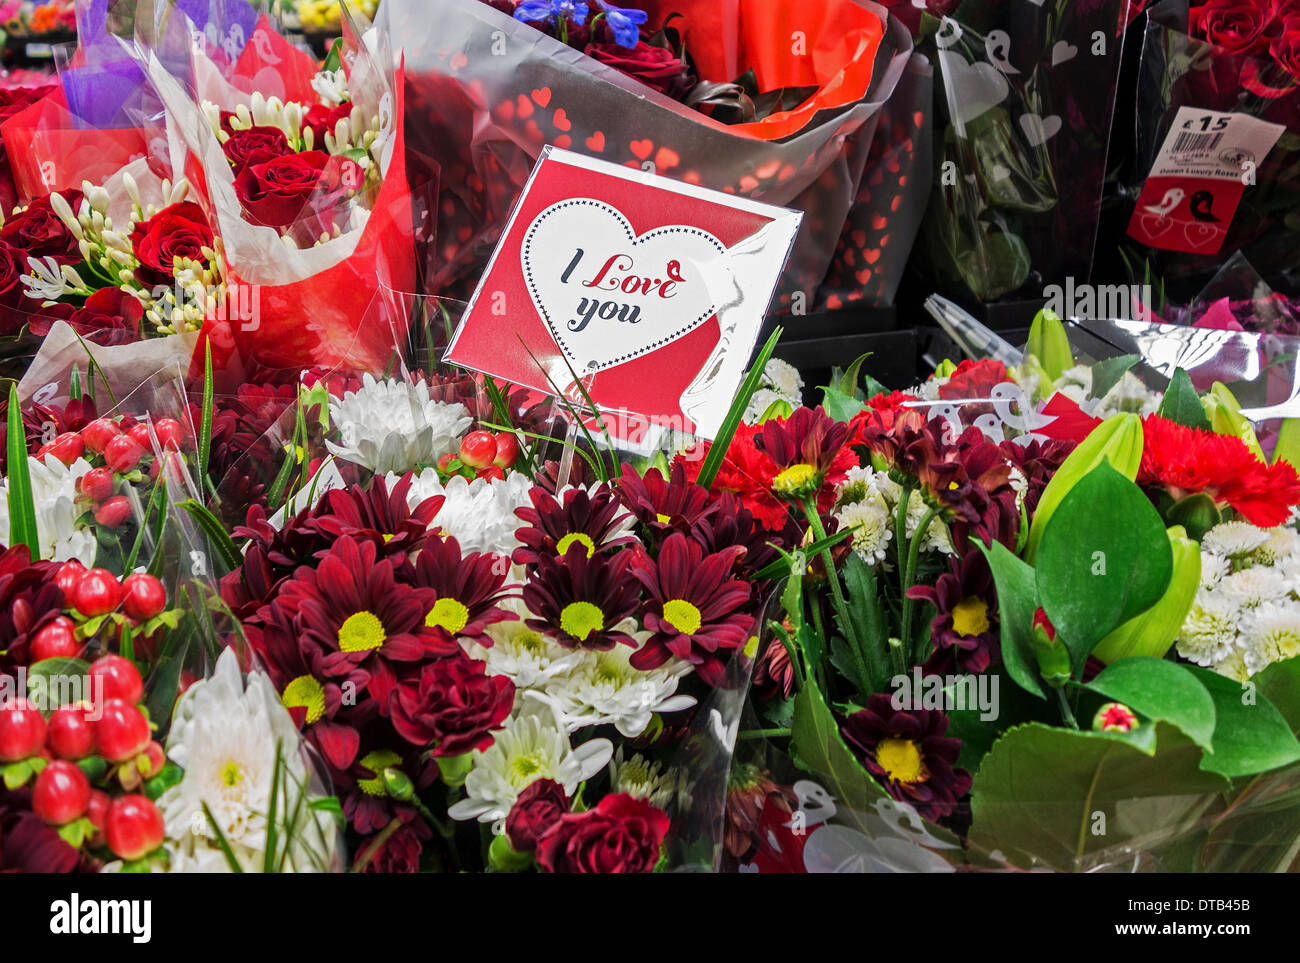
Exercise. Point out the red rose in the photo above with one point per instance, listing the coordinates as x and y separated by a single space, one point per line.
1285 48
180 230
274 192
256 145
15 307
322 120
655 67
1238 26
40 233
621 835
538 808
109 316
12 100
453 706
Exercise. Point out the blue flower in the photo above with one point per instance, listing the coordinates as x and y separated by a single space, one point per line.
574 11
623 23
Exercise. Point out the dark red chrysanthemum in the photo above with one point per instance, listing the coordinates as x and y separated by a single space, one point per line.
594 520
907 751
29 600
452 707
580 601
734 526
694 608
664 505
810 451
468 589
377 514
964 629
1185 461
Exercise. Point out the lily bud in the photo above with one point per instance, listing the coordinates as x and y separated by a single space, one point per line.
1118 440
1288 442
1049 344
1226 418
1053 656
945 368
1114 717
1153 632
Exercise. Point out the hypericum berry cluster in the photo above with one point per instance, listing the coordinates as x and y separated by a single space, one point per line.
84 754
482 454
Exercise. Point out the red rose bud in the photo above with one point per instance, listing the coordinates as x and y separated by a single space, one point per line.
143 596
123 454
61 794
478 449
97 484
1053 656
1114 717
99 433
22 730
67 447
56 640
134 827
507 450
536 810
113 512
119 677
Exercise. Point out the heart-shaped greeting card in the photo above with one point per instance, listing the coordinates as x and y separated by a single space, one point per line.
609 294
642 293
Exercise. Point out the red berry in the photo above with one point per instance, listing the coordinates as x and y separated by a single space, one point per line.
121 679
56 640
97 484
170 432
62 793
121 732
113 512
97 810
22 731
123 454
444 463
98 593
157 759
143 596
134 827
140 435
99 433
69 734
67 447
69 577
491 473
507 450
478 449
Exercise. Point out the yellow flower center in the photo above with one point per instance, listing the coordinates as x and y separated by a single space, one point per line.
901 760
306 693
795 479
682 616
563 545
447 614
970 617
231 774
361 632
662 518
751 647
580 619
524 768
377 762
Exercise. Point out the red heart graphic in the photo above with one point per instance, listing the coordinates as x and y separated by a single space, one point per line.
749 183
768 170
667 157
543 96
878 222
562 121
884 239
507 110
1153 225
525 107
1200 235
863 276
458 61
872 256
564 142
596 141
642 148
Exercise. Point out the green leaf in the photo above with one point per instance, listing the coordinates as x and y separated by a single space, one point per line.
1182 404
15 774
846 382
1069 800
1017 601
171 774
334 59
718 448
782 565
865 607
1250 735
222 843
205 418
22 509
1161 691
1106 374
1280 684
1104 558
216 533
838 405
819 749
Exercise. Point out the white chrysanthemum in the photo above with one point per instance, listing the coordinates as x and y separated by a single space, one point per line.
532 745
1129 395
54 494
1271 634
1253 586
394 426
1282 542
936 537
604 689
871 526
525 656
759 402
1234 666
1213 569
1209 632
1234 539
785 381
643 779
1290 569
479 514
224 735
929 390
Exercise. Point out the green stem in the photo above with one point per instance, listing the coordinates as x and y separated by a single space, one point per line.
909 576
1066 712
763 734
837 597
376 844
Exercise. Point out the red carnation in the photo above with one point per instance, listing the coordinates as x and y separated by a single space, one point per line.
621 835
453 706
537 809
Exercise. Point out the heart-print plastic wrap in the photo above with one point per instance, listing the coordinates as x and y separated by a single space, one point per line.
1210 107
1024 93
485 94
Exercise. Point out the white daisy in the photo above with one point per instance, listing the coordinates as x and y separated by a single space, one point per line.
643 779
1271 634
1234 539
1209 632
604 688
394 426
224 735
479 514
533 745
1253 586
871 526
54 495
